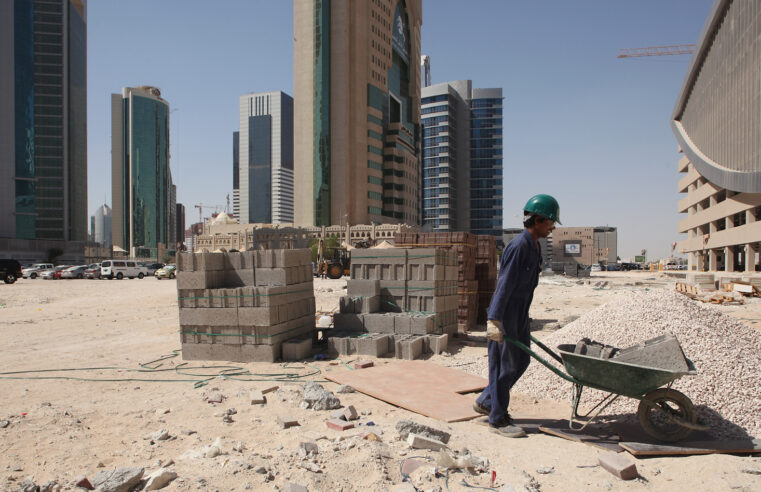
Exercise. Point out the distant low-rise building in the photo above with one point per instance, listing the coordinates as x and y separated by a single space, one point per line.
583 246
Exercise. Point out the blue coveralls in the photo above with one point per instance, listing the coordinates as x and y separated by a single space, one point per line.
518 276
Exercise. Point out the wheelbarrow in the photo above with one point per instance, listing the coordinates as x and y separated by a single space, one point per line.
638 372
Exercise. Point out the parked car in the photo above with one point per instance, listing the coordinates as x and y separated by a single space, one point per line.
152 267
596 268
121 268
74 272
10 270
168 271
35 270
92 271
53 273
614 267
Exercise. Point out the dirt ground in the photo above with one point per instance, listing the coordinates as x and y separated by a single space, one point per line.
61 424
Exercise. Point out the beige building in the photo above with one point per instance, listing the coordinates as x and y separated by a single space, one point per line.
717 122
583 246
356 111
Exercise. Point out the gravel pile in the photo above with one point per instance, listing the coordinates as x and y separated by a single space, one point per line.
726 353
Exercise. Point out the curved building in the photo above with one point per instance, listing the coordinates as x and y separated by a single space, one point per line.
717 122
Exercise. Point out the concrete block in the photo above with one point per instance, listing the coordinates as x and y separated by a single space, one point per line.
350 413
281 332
378 322
349 322
398 339
258 316
292 257
402 324
340 345
200 279
295 487
257 397
233 261
391 271
208 317
188 298
411 348
297 349
374 345
286 421
363 288
246 296
271 277
265 258
230 353
420 442
362 305
422 324
269 296
618 465
239 278
435 344
338 424
184 262
452 272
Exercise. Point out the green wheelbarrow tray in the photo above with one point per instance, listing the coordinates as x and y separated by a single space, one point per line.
664 413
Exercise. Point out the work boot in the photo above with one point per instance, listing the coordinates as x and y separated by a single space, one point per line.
506 428
478 408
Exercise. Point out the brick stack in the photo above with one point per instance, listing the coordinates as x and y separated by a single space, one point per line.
243 307
486 273
405 298
464 245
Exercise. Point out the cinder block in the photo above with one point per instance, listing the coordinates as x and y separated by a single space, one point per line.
271 277
189 298
362 305
231 353
258 316
233 261
379 322
363 288
297 349
246 296
349 322
375 345
265 258
419 442
270 296
184 262
281 332
292 257
239 278
618 465
200 279
435 344
398 339
422 324
402 324
411 348
208 317
341 345
222 298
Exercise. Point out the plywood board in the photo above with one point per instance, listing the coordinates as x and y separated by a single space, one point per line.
419 386
597 436
693 447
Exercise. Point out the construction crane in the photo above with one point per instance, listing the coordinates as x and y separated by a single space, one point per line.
200 208
674 49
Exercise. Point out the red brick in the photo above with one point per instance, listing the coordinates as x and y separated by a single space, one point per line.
363 364
337 424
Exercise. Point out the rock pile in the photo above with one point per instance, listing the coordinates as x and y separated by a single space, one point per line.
726 353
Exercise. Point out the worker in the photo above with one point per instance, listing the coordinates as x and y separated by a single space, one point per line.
508 313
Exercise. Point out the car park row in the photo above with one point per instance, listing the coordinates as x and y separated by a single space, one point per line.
11 270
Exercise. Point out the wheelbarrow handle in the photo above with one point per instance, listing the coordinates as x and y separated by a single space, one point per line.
540 359
546 349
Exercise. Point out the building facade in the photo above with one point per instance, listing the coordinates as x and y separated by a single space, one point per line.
265 180
102 225
141 180
545 244
43 120
717 123
357 123
236 175
583 246
462 158
180 225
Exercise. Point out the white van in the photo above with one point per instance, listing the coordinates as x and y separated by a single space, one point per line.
122 268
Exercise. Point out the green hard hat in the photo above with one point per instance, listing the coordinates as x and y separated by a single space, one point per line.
544 205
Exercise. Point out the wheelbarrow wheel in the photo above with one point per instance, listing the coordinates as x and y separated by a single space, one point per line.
662 422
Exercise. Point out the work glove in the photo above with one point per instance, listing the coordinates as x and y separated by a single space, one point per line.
494 331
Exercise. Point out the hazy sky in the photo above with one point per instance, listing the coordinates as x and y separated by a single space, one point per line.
579 123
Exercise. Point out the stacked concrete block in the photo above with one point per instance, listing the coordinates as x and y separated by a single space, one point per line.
242 306
486 273
401 346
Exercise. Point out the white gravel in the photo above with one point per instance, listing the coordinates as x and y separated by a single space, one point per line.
726 353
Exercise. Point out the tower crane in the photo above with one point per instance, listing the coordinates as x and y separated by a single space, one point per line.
201 206
673 49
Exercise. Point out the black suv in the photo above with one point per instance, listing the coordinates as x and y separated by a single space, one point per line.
10 271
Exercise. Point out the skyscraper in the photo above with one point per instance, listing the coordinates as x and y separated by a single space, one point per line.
43 119
141 181
102 225
462 158
180 229
236 175
357 124
265 178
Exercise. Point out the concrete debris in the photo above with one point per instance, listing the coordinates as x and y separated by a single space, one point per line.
350 413
421 442
257 398
345 388
286 421
312 467
28 485
406 426
618 465
215 398
463 460
51 486
294 487
337 424
118 480
318 398
81 481
545 470
160 479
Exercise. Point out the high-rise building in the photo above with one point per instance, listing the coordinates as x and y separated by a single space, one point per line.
357 123
43 120
462 158
236 175
172 242
180 229
141 181
265 178
102 225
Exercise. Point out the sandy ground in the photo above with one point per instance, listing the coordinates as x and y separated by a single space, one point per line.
61 428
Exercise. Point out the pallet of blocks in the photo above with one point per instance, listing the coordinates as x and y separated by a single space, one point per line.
486 273
252 306
464 246
399 301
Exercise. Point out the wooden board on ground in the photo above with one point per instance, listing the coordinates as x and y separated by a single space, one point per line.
694 447
419 386
597 435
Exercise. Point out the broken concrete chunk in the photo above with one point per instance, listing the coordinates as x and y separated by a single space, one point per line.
318 398
215 398
350 413
422 442
345 388
309 447
118 480
618 465
257 398
159 479
294 487
286 421
405 427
